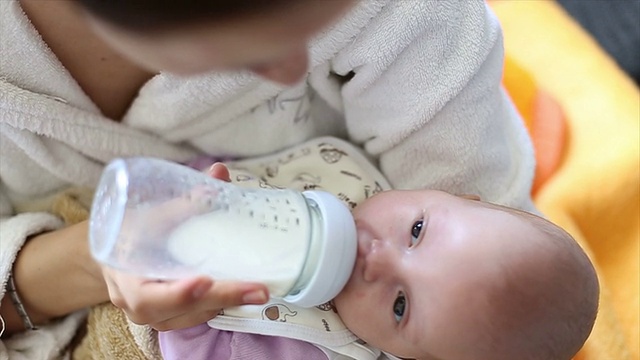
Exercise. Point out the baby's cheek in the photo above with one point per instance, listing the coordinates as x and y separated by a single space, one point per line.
351 306
350 298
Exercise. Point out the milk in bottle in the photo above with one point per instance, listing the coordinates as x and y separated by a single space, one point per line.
163 220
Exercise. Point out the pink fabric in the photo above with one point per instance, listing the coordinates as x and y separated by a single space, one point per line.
204 343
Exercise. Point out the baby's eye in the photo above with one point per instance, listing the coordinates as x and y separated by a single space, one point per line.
415 232
399 306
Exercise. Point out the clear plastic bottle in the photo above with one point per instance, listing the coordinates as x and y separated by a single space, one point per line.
162 220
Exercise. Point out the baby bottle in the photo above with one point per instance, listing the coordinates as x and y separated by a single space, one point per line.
163 220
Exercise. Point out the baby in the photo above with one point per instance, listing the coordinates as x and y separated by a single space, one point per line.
437 276
455 278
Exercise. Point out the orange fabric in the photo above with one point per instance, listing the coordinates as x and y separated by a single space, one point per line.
549 138
594 193
543 118
522 89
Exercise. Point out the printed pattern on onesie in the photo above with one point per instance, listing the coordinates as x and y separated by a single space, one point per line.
328 164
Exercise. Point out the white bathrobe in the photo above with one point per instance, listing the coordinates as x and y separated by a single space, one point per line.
415 83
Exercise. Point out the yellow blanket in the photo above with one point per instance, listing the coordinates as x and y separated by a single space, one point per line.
590 183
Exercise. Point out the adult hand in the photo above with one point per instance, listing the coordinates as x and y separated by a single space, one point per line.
166 305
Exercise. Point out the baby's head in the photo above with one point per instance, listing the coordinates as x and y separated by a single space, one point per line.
445 277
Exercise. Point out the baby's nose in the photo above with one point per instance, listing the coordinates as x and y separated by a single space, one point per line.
381 261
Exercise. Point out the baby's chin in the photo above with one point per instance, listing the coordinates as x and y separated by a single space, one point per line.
346 301
347 296
341 299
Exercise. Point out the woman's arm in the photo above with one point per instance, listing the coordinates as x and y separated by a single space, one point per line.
54 276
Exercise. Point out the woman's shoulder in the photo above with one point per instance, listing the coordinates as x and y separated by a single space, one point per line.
386 26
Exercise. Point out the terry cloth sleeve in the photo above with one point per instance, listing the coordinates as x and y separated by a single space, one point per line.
422 95
46 342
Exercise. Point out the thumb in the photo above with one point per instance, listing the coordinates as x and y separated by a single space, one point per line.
219 171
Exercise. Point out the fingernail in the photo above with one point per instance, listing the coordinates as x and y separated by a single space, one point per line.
199 290
214 165
255 297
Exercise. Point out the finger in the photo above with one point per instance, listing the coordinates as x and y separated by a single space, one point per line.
158 301
185 321
223 295
233 293
219 171
113 290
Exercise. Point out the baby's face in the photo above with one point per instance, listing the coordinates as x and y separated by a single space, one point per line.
424 261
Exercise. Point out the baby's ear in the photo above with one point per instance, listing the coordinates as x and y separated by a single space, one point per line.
470 197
